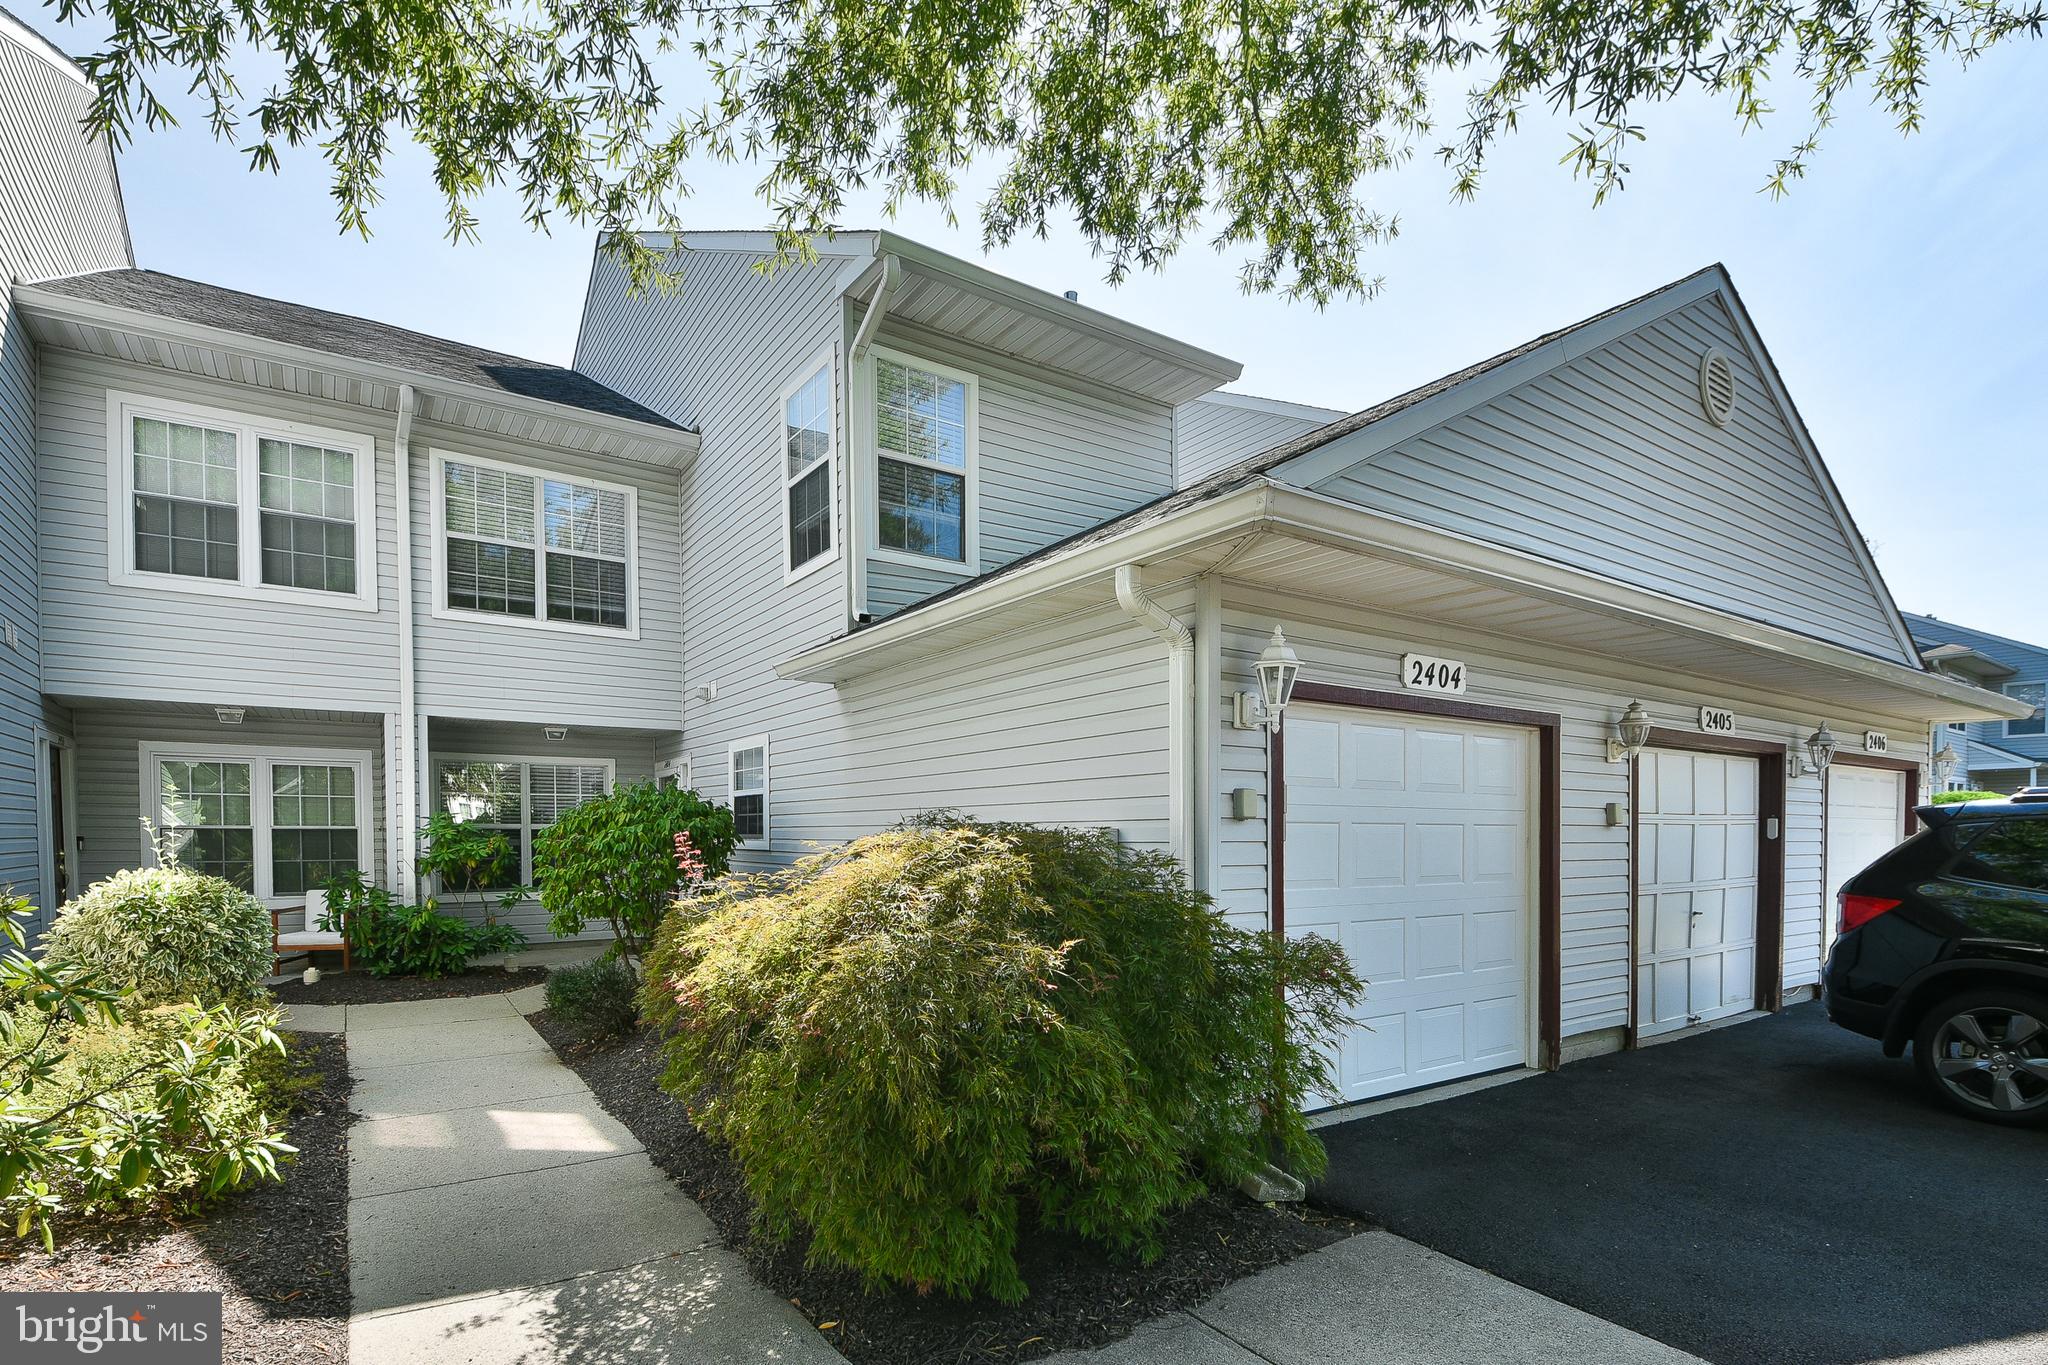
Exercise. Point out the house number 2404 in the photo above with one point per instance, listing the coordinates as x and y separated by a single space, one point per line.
1421 673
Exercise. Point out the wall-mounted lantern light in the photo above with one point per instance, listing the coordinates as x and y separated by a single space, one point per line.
1820 751
1944 766
1631 732
1278 668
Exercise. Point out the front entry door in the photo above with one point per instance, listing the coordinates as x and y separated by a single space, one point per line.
1697 836
60 834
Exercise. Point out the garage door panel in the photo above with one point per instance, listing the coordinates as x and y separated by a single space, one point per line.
1313 757
1738 977
1315 858
1709 789
1379 855
1709 852
1377 758
1439 946
1439 854
1741 913
1497 854
1497 766
1498 940
1708 918
1674 853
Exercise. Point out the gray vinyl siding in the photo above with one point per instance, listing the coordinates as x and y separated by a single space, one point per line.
497 670
632 755
1056 457
109 767
1358 648
108 640
1212 433
60 214
1608 463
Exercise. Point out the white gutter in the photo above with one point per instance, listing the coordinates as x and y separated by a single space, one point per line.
1180 705
406 820
886 270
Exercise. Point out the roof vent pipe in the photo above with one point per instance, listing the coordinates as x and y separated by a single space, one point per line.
1072 296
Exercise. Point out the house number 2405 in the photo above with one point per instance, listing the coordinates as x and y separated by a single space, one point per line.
1421 673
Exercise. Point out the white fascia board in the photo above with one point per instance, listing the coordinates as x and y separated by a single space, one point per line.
53 307
1278 407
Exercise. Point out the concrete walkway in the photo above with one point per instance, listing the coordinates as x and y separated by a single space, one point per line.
498 1215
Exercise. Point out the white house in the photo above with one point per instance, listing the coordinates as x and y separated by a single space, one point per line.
889 532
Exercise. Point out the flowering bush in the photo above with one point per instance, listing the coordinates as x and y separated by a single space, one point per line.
917 1042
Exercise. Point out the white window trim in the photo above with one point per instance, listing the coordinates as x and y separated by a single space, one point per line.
261 758
767 786
828 361
2007 690
527 763
438 496
122 408
864 424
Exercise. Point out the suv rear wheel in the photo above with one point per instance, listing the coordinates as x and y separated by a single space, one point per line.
1984 1053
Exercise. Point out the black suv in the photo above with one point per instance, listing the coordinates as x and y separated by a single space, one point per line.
1944 945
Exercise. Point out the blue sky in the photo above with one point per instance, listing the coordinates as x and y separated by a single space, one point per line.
1902 288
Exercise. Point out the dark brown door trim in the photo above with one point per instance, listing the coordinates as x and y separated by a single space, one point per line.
1549 827
1770 858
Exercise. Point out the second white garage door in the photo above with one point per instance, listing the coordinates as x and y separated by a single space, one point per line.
1696 888
1409 842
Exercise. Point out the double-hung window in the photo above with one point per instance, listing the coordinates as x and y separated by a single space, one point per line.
210 501
518 797
747 764
924 419
275 823
807 426
525 546
2036 694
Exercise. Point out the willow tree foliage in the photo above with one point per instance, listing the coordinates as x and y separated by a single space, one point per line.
1254 123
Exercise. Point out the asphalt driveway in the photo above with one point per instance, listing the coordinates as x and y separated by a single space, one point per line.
1771 1192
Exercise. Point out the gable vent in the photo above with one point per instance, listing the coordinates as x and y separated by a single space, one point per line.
1717 387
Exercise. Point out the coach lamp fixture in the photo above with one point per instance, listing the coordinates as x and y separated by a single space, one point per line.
1820 751
1632 733
1944 767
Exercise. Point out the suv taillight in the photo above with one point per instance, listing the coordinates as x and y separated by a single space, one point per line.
1858 911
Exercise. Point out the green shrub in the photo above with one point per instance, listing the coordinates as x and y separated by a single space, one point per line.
1951 798
387 938
467 858
168 933
109 1105
595 1000
916 1042
614 861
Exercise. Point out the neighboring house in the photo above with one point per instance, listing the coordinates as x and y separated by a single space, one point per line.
1991 755
843 542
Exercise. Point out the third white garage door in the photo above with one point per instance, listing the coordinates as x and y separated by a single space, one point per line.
1696 888
1409 842
1866 816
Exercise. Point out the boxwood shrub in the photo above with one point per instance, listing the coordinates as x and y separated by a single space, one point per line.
919 1043
168 933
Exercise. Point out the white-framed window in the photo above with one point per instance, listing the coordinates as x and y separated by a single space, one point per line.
747 769
2037 694
809 477
674 773
276 822
531 548
921 422
207 500
517 797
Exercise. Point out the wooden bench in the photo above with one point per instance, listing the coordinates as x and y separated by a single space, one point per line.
309 939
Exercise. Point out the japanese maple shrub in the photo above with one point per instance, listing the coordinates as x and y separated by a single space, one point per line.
613 860
918 1043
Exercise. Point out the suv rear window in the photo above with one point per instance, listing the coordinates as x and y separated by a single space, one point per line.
2009 853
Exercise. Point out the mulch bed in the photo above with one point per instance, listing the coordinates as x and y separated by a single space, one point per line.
276 1253
360 988
1081 1295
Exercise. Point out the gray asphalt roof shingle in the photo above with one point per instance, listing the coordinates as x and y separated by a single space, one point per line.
209 305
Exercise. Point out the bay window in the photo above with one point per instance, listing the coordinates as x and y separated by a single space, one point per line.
523 546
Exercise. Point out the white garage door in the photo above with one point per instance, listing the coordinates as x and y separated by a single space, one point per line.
1866 817
1409 842
1696 894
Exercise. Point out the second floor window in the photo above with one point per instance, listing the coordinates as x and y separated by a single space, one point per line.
924 459
807 422
525 546
2035 694
222 503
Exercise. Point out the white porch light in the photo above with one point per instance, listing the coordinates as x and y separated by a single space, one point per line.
1632 732
1278 669
1945 766
1820 751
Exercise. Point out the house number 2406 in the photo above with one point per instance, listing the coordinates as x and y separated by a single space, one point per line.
1421 673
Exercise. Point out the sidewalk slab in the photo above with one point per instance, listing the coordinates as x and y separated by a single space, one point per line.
1176 1337
315 1018
435 1087
421 1013
513 1231
471 1038
527 999
407 1152
1383 1298
701 1307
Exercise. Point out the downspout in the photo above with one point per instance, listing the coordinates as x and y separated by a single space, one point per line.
1180 671
856 503
407 777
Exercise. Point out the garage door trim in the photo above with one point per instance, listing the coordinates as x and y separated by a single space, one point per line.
1549 829
1770 861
